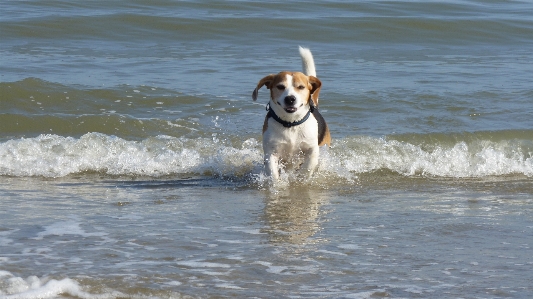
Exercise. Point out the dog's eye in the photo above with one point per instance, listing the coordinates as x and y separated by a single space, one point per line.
301 87
280 87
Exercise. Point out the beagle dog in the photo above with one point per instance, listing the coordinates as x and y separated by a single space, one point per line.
293 129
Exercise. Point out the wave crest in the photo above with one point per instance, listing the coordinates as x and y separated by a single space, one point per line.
477 158
57 156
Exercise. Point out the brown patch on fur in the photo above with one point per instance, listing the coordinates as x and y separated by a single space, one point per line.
326 139
312 85
265 124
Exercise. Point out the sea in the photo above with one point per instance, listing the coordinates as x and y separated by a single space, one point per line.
131 161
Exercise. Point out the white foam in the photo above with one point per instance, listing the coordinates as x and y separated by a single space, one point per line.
331 252
174 283
230 241
271 268
56 156
33 287
276 269
228 286
245 230
69 227
199 264
367 295
476 159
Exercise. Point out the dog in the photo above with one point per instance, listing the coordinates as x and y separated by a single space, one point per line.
293 129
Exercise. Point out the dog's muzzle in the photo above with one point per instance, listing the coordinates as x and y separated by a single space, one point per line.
289 104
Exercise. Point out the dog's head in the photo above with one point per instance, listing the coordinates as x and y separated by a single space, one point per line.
292 92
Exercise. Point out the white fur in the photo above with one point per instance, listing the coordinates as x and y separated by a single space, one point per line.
291 145
308 63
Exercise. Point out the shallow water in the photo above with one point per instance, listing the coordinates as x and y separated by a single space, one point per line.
203 237
131 157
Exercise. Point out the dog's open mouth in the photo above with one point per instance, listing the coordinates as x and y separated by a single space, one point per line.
291 109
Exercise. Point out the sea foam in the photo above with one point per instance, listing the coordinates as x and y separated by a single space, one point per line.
33 287
477 158
57 156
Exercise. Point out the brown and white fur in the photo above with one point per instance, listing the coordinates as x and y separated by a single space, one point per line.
292 96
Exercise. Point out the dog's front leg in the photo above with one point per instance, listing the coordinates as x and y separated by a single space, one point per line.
272 166
310 161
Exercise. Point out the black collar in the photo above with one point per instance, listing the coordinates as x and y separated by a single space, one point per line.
287 124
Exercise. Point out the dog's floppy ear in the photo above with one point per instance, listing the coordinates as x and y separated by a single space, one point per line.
315 89
265 81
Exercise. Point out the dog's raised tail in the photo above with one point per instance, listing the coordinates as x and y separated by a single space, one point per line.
308 64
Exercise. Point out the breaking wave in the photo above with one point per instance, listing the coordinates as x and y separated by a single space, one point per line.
57 156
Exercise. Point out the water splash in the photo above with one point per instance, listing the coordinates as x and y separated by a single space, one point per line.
57 156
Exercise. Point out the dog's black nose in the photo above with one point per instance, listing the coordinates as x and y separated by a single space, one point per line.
290 100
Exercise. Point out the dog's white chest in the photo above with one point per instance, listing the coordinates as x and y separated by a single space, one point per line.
286 142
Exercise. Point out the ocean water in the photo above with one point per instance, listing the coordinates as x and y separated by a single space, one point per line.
131 155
